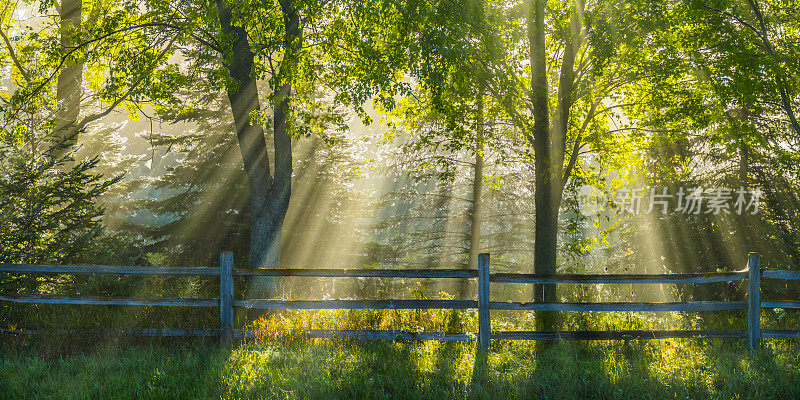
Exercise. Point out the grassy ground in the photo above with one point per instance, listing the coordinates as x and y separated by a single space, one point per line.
327 369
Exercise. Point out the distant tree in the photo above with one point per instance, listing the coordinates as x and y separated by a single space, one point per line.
48 213
575 55
456 191
719 111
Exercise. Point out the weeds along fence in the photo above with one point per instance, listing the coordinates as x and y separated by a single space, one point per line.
483 304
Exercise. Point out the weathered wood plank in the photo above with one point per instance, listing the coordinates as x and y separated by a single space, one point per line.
754 301
616 335
106 301
640 307
780 304
366 335
359 273
226 297
151 332
484 316
248 333
780 334
423 336
780 274
104 269
620 278
356 304
166 332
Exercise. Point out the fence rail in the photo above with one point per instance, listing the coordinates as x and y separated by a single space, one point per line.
107 301
483 304
619 279
360 273
104 269
357 304
635 307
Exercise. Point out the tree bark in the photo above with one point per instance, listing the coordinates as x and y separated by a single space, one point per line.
549 143
477 190
70 79
545 168
268 195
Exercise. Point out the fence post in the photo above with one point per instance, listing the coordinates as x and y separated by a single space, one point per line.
226 297
484 320
754 301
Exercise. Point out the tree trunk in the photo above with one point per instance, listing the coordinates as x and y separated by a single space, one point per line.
781 81
282 185
477 190
549 143
70 79
743 238
547 169
547 201
268 195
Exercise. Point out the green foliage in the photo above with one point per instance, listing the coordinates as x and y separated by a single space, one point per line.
49 210
716 112
683 92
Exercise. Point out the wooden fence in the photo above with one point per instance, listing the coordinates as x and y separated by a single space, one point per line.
226 302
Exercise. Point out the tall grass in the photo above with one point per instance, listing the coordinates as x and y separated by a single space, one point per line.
333 369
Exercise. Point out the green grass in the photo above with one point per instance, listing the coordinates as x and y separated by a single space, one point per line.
327 369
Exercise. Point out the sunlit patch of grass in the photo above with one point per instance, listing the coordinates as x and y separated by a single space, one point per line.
285 365
336 369
293 323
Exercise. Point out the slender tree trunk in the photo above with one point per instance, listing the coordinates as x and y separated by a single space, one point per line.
70 79
744 164
477 190
781 81
269 195
280 192
742 221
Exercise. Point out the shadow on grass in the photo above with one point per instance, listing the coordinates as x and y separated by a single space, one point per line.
329 369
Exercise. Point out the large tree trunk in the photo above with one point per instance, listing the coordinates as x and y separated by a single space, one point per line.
547 202
549 144
268 195
547 170
70 79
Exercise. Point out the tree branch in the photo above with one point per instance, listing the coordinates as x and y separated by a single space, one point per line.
93 117
14 58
